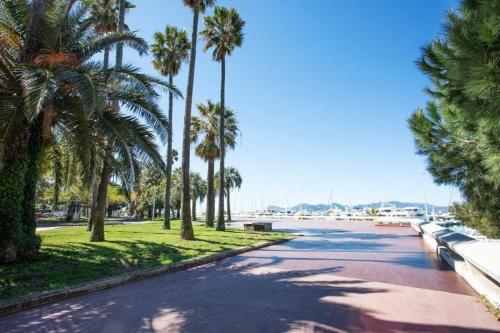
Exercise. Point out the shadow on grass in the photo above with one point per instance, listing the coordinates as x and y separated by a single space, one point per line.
77 262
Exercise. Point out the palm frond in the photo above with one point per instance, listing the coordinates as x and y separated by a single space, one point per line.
97 43
39 87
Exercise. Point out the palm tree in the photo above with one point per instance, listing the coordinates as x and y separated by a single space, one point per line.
104 18
198 191
232 180
50 85
148 111
206 133
224 32
97 229
170 50
187 233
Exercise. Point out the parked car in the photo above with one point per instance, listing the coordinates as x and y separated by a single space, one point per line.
59 214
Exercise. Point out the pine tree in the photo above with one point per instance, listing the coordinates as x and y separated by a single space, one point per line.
459 130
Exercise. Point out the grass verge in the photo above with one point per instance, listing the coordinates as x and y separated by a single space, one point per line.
67 257
490 306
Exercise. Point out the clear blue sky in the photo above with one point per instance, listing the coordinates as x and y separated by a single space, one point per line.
322 90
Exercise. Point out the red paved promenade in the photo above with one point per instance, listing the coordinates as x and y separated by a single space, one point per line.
339 277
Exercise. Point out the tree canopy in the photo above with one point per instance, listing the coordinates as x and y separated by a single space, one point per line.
459 129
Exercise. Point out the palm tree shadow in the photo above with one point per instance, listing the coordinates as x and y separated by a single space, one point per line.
228 296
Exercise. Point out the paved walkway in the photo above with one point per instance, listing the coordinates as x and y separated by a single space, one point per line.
339 277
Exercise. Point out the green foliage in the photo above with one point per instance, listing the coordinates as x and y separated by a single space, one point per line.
459 129
202 4
198 186
223 31
232 179
61 179
205 130
176 196
12 183
153 194
170 50
51 88
30 242
116 196
150 186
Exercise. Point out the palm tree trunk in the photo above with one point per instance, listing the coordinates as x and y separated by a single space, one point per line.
12 181
31 242
95 191
210 210
168 182
95 185
18 180
228 204
121 28
186 225
220 222
100 211
106 58
97 232
131 211
33 45
20 173
193 208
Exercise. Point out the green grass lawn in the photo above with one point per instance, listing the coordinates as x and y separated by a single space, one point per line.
67 257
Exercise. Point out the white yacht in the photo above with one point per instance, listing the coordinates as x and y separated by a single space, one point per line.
388 210
409 212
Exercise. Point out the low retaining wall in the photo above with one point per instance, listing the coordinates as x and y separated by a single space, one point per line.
478 262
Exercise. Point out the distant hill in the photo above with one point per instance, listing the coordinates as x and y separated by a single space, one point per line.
325 207
399 204
305 206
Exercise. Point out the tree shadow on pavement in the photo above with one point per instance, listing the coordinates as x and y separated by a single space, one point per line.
234 295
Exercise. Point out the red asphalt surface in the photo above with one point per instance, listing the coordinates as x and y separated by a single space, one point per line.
338 277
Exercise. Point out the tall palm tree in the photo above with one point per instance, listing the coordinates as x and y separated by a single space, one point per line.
223 32
186 231
198 191
97 229
170 50
50 84
232 180
149 112
104 18
205 133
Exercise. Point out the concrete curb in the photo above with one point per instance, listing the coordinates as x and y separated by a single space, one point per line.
28 302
